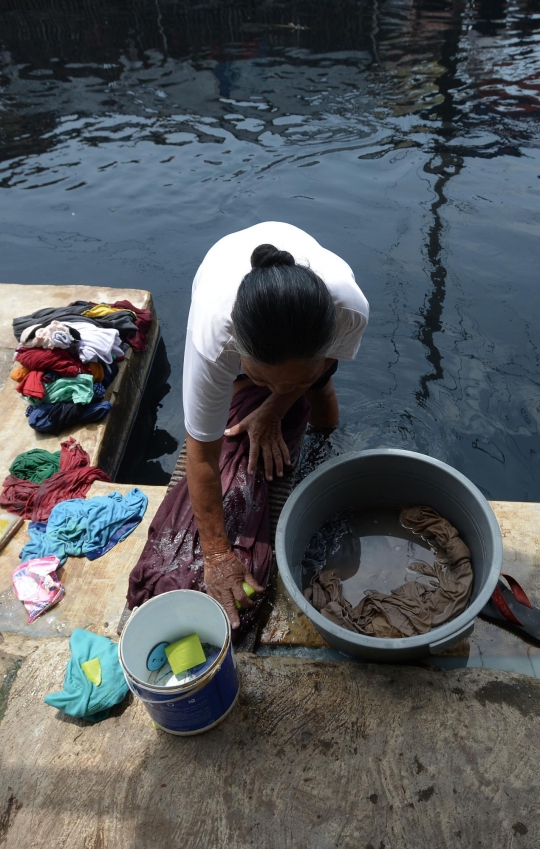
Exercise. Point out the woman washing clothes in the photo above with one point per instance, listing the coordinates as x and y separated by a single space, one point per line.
270 308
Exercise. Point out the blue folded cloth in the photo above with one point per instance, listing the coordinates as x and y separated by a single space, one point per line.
54 418
80 527
80 697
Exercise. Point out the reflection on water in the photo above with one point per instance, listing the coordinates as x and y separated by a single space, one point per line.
402 134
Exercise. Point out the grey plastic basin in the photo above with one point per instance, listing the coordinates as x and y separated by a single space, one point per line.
390 476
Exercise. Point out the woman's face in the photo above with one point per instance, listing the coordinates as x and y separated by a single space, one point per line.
285 377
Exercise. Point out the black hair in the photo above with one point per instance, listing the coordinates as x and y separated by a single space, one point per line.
283 311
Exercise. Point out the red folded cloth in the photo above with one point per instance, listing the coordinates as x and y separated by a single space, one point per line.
35 501
32 385
57 359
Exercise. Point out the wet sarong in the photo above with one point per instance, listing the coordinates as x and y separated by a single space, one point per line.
172 558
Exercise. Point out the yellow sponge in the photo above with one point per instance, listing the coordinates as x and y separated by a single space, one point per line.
92 670
185 653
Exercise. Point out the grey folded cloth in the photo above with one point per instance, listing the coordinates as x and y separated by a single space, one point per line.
123 320
417 606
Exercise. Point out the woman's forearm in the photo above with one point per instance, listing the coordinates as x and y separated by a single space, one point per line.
204 483
281 404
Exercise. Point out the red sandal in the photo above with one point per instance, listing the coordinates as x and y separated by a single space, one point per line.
514 608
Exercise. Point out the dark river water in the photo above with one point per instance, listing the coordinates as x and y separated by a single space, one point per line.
403 135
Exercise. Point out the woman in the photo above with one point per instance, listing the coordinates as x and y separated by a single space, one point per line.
270 307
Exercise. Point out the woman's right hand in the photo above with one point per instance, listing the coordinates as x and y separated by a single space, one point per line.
223 576
263 426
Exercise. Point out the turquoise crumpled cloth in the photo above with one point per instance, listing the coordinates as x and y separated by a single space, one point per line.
79 526
80 697
79 390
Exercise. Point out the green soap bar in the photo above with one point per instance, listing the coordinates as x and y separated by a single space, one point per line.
249 591
185 654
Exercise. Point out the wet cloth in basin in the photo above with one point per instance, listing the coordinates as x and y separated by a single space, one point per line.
172 558
419 605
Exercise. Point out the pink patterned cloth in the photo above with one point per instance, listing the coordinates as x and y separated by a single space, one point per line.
37 585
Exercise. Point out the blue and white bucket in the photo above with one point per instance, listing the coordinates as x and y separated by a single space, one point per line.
205 700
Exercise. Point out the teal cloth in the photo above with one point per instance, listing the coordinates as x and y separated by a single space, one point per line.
79 526
80 697
79 390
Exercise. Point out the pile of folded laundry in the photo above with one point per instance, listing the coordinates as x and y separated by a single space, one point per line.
68 356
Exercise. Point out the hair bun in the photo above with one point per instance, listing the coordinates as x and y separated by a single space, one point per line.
266 256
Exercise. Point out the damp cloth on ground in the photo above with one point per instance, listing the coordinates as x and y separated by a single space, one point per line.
37 585
54 418
35 501
440 593
35 465
172 558
76 528
81 697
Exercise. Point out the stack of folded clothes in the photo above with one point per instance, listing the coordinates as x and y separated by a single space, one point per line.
68 356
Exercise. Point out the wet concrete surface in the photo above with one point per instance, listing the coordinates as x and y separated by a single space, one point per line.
314 755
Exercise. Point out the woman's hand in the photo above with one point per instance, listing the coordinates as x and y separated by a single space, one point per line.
263 427
223 576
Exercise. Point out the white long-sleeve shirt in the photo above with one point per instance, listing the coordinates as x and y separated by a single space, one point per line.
211 361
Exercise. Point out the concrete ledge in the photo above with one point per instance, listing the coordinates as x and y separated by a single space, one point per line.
105 441
314 755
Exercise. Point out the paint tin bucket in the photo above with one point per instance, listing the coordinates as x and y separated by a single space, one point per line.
201 703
